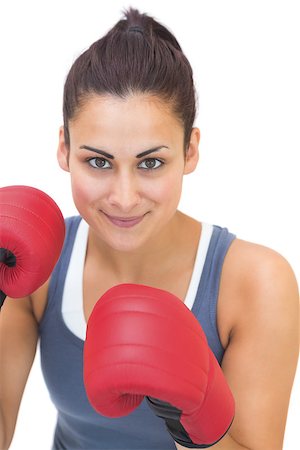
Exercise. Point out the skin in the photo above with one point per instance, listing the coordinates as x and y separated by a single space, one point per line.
122 187
257 313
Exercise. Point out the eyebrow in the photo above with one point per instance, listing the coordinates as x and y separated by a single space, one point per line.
101 152
108 155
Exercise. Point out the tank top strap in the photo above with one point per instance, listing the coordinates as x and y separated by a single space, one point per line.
57 280
205 305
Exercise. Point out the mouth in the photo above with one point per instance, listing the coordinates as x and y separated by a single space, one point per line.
124 222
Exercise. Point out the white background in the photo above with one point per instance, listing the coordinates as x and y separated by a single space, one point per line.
245 56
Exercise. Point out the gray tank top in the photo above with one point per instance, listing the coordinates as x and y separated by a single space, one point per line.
78 425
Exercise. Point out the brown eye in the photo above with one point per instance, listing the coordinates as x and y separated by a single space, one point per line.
98 163
151 163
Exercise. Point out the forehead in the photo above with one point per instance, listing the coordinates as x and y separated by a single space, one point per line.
137 114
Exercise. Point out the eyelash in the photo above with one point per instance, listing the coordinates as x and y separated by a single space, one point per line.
142 168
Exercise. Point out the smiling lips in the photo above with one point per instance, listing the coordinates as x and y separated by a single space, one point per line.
125 222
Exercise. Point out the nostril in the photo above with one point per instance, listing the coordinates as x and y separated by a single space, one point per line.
125 200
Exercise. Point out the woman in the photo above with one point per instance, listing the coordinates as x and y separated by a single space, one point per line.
128 138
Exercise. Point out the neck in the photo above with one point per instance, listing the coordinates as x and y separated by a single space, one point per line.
145 262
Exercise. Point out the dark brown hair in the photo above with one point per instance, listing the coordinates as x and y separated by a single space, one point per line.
138 55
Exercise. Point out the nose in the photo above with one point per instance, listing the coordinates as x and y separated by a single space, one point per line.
124 193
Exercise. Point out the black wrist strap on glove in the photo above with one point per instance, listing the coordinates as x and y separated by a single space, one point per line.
2 298
9 259
171 416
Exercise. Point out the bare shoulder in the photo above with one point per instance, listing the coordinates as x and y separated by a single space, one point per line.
259 261
258 280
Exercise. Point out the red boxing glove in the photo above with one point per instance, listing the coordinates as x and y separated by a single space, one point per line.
143 341
32 232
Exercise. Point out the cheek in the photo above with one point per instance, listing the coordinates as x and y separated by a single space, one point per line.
167 191
83 190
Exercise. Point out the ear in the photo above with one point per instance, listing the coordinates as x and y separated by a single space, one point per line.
192 152
63 151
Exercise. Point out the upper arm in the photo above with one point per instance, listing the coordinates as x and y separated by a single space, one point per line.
18 341
260 360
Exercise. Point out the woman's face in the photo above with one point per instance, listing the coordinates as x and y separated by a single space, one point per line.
126 163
